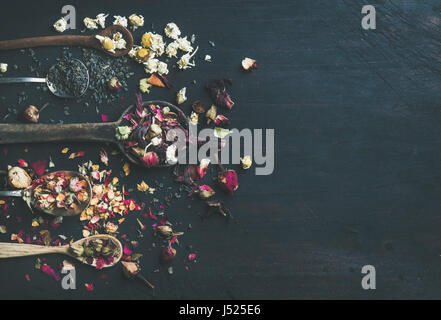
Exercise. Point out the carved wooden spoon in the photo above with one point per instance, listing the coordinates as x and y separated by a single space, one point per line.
13 250
70 40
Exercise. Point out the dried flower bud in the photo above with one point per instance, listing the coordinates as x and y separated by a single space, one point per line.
249 64
206 192
221 120
150 159
219 94
167 254
246 162
165 231
228 180
211 114
130 269
77 250
18 178
31 114
198 107
203 166
114 84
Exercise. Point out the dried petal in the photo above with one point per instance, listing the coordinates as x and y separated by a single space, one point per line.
219 94
228 180
249 64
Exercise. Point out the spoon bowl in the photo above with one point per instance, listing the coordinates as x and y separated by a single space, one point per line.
109 32
118 251
52 87
28 195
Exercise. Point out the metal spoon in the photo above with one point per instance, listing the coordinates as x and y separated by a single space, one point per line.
57 211
68 40
50 84
12 250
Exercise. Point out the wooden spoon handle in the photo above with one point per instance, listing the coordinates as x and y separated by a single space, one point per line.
27 133
10 250
47 41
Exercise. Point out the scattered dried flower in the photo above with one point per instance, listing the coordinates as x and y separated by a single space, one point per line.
249 64
219 94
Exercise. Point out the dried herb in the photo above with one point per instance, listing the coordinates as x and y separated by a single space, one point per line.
69 77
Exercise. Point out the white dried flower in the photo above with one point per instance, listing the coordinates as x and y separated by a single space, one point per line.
90 23
154 42
172 49
119 39
172 31
144 86
120 20
207 58
194 118
3 67
60 25
151 66
180 96
170 154
162 68
184 62
184 44
136 21
101 19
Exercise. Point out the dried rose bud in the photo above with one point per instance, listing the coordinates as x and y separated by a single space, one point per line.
31 114
77 250
249 64
167 254
228 180
202 168
206 192
246 162
165 231
198 107
219 94
130 269
114 84
150 159
221 120
18 178
211 114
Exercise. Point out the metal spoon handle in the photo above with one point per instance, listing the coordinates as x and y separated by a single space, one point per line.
67 40
11 193
10 250
27 133
22 79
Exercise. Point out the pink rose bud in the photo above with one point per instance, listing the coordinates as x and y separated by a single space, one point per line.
206 192
221 120
150 159
114 84
31 114
167 254
228 180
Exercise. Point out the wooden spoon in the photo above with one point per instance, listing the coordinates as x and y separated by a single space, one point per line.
70 40
88 132
13 250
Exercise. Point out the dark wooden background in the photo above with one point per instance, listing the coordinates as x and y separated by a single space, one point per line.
357 178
